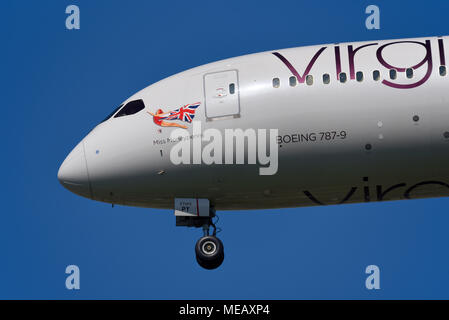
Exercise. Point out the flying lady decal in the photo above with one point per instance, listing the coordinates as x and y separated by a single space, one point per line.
186 113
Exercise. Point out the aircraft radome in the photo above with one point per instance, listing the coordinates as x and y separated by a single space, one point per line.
317 125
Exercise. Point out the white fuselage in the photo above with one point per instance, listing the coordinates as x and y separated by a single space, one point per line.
365 139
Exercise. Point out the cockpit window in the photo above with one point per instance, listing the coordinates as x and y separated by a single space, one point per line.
130 108
112 113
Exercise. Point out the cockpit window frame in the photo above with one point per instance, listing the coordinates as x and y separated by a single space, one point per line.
113 113
139 107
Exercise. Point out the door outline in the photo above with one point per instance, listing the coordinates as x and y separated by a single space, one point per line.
234 115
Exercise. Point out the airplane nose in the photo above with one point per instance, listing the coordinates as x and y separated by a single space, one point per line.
73 173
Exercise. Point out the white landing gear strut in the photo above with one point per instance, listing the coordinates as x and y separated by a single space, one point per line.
198 213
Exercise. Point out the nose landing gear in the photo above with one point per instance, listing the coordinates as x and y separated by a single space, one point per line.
208 249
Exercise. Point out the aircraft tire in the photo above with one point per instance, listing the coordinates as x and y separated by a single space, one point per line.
209 252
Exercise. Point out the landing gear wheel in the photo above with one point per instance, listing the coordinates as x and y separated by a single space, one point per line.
209 252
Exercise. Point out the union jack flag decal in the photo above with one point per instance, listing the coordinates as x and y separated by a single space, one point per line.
185 113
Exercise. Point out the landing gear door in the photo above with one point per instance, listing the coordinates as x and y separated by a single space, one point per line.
221 91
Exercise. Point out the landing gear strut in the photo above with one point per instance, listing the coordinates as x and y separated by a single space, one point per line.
208 249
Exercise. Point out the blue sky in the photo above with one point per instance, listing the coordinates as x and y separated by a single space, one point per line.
58 84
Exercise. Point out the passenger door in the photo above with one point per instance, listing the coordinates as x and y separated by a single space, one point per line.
221 91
